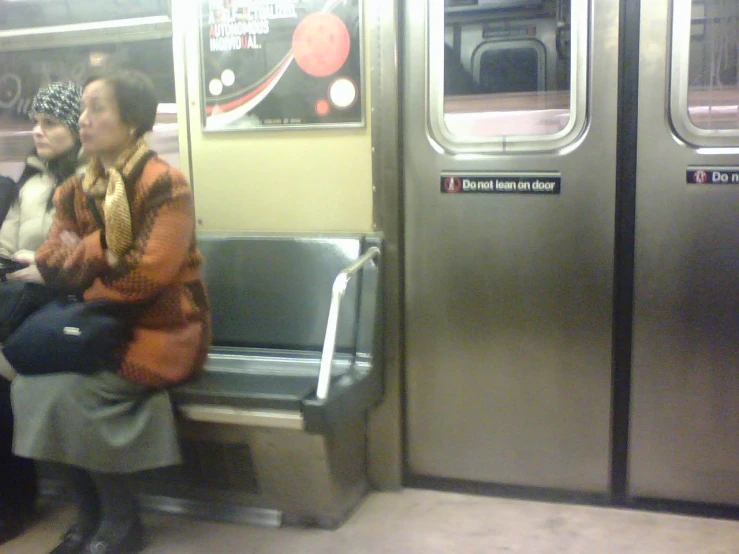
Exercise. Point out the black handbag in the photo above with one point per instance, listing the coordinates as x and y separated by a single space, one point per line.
71 335
18 300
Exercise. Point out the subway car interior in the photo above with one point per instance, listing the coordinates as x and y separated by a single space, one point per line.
473 267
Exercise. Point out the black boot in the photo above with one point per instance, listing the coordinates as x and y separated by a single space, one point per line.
12 524
17 496
120 530
85 495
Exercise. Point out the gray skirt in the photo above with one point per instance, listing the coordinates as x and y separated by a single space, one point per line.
100 422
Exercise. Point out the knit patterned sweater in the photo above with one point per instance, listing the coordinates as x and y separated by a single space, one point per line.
163 268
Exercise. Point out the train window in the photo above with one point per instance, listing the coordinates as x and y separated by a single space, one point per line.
24 14
32 57
705 76
512 76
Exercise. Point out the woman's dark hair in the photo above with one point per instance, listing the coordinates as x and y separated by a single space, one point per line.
136 97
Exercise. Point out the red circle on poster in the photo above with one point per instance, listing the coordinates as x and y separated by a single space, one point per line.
321 44
322 107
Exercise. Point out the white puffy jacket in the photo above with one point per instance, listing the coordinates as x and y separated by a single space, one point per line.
28 221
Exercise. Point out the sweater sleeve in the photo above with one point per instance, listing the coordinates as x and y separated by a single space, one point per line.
162 242
63 265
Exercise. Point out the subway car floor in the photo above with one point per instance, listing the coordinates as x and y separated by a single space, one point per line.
426 522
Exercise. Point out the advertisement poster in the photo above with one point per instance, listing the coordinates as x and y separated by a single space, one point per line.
269 64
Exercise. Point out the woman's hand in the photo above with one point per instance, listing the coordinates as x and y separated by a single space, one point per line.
69 239
31 273
27 257
111 258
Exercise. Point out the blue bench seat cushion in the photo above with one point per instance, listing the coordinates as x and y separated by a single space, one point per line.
245 390
257 378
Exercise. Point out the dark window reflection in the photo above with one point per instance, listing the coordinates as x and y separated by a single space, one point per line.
509 70
23 73
457 80
507 67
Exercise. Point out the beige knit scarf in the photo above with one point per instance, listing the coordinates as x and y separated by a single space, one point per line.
109 191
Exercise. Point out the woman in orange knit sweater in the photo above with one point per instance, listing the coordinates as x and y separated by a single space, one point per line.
103 426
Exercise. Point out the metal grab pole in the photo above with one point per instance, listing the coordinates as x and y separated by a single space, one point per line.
329 343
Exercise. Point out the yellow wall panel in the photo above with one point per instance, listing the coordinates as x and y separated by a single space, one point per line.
301 181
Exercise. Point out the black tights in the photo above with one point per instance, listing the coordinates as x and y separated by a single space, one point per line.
105 501
18 488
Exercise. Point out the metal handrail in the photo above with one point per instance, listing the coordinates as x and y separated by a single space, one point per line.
329 343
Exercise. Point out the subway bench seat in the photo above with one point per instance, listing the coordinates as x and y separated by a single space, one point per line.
274 428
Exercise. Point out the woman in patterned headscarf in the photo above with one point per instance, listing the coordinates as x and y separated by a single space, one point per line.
56 112
101 427
30 211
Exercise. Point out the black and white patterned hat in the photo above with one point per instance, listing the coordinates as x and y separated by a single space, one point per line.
61 101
